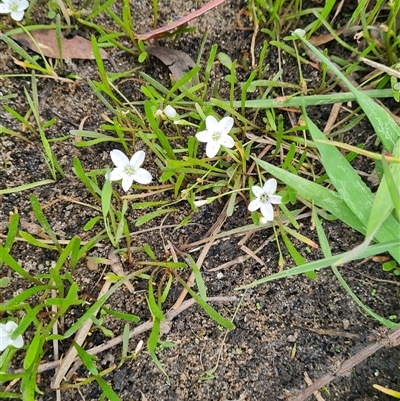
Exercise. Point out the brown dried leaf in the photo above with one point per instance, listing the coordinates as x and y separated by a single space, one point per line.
179 63
76 47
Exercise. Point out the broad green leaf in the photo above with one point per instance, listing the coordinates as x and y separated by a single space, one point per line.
353 190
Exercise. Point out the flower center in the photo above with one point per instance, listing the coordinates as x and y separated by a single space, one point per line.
264 198
129 170
14 6
216 136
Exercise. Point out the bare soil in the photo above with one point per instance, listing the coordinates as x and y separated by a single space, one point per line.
284 329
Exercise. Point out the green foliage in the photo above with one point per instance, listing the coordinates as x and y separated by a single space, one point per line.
263 145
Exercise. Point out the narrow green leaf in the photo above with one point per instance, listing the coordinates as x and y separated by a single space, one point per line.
87 359
326 249
198 277
89 184
166 146
384 125
25 187
41 218
149 216
35 347
124 316
207 308
107 390
370 251
13 264
153 305
12 232
154 334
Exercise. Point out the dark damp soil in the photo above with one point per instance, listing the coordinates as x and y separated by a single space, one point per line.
283 329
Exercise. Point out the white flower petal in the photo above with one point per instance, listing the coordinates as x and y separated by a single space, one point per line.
10 326
137 159
127 181
225 125
200 202
17 15
4 343
267 211
142 176
227 141
275 199
204 136
4 8
23 4
254 205
212 148
269 187
119 158
170 112
257 191
6 331
115 175
18 342
211 124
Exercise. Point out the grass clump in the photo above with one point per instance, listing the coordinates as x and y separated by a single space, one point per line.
248 143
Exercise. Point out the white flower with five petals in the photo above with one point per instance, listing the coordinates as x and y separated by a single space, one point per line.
6 331
216 135
16 8
265 198
128 170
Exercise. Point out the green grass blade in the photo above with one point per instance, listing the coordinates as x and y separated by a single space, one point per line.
208 308
327 253
13 264
370 251
25 187
87 359
41 218
384 125
352 189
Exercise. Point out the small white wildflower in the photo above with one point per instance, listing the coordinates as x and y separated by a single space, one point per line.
216 135
16 8
6 331
128 170
264 199
170 112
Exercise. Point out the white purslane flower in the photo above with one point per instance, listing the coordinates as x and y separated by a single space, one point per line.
6 331
128 170
16 8
264 199
216 135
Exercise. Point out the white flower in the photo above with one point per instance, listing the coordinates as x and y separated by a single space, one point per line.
170 112
6 331
216 135
15 7
264 199
128 170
